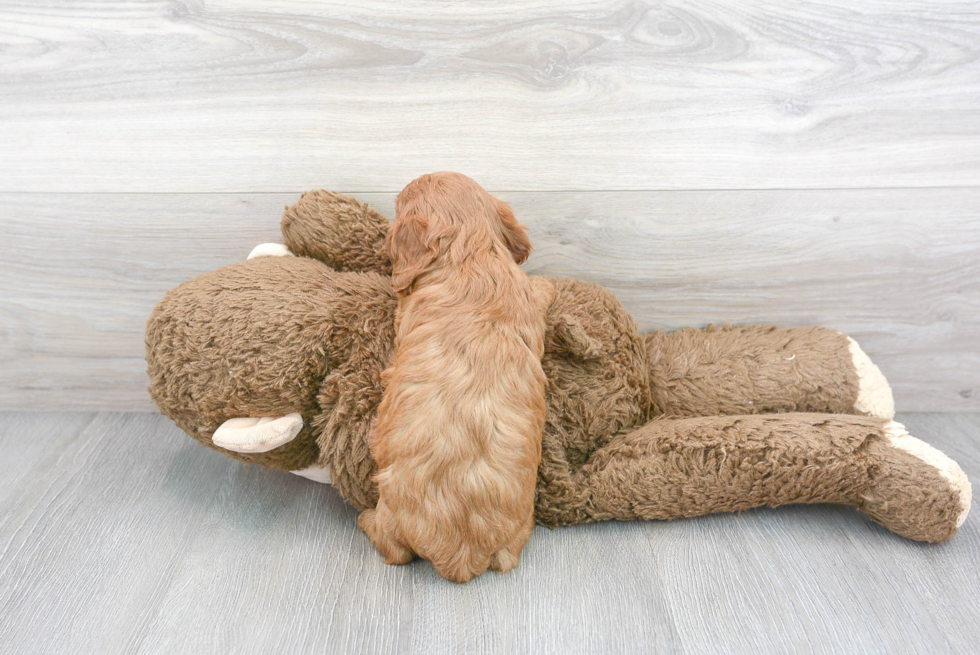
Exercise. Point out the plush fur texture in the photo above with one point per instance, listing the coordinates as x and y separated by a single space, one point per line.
750 370
231 344
731 464
637 426
327 241
457 441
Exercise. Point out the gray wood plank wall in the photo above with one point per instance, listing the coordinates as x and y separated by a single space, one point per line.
777 162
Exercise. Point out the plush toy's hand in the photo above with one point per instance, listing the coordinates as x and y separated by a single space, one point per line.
338 230
916 490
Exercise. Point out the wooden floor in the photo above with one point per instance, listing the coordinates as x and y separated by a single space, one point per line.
118 534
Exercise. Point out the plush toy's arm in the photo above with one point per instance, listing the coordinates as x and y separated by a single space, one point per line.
349 397
673 468
336 229
725 370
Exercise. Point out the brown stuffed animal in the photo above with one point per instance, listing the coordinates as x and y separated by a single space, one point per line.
277 361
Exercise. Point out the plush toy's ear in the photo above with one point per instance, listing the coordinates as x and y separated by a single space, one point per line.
515 234
410 248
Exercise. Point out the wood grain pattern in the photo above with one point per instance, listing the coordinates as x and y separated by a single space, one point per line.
92 539
172 96
126 536
925 576
897 269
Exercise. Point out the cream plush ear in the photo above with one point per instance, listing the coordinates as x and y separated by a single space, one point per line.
411 248
269 250
257 435
515 234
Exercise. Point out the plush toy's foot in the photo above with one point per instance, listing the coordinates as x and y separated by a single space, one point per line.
917 491
269 250
257 435
874 393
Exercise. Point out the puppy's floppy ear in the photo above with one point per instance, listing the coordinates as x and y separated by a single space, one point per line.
410 250
515 234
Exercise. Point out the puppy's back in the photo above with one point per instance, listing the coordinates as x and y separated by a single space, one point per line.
459 432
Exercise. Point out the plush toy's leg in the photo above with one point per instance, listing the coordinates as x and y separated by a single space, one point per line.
349 398
673 468
725 370
314 472
900 487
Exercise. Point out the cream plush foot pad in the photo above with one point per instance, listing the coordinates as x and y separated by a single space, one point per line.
257 435
899 438
874 394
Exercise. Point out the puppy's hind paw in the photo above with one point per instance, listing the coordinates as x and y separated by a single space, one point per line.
393 552
503 560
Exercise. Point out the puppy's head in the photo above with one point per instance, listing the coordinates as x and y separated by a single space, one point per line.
448 215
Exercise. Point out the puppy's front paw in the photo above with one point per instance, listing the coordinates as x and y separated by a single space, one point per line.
366 521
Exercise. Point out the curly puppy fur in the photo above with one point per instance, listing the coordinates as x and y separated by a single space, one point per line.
458 436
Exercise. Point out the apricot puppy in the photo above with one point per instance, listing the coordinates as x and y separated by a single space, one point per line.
457 441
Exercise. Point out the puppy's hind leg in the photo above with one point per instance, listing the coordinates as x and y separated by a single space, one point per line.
378 526
508 558
505 559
